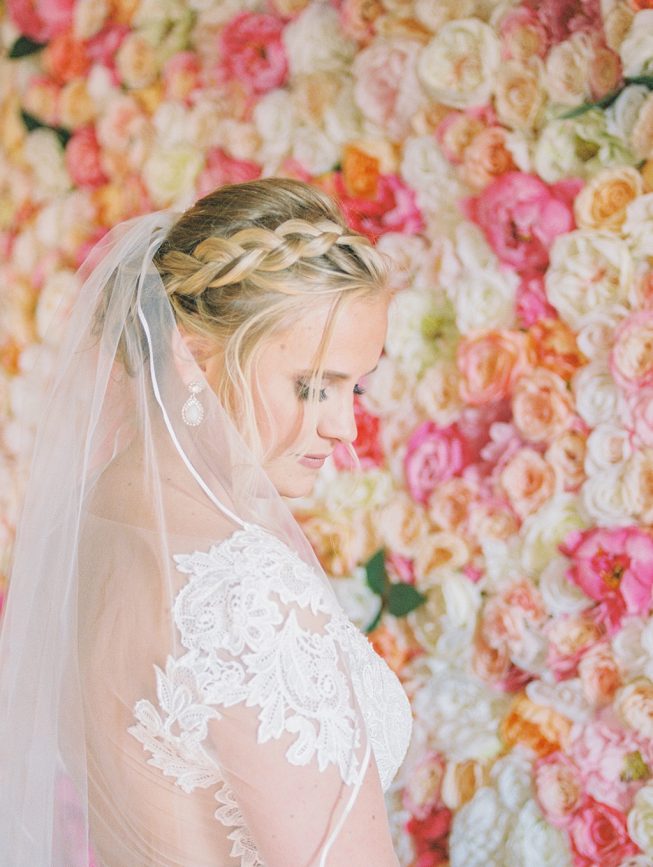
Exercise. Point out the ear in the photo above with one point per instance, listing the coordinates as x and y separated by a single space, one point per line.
200 347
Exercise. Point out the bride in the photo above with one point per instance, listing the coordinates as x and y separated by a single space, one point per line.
178 684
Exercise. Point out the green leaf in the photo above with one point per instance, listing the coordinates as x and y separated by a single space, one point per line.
377 577
375 620
31 123
23 47
404 598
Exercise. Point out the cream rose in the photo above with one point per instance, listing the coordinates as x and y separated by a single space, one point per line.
437 393
459 65
89 17
605 499
435 15
640 820
637 48
596 336
542 406
425 168
44 154
519 94
638 486
535 842
633 648
314 42
170 174
478 831
403 526
608 445
136 61
634 704
622 115
589 270
642 132
568 67
544 530
566 455
637 228
597 396
603 202
275 121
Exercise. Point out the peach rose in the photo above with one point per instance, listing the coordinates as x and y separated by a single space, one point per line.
638 481
438 550
602 203
461 781
567 70
424 788
566 455
556 347
448 505
393 648
65 58
76 106
641 135
357 18
631 360
559 788
41 99
634 703
641 416
519 96
456 132
528 481
488 521
340 545
402 525
136 61
486 158
599 673
118 201
568 638
511 617
490 362
542 406
539 728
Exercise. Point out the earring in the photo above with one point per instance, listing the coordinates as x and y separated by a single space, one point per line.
192 412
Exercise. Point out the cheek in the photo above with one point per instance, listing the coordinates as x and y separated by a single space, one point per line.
283 423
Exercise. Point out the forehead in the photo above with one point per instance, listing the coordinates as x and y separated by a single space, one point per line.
355 343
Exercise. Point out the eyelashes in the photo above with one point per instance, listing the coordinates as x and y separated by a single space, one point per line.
303 390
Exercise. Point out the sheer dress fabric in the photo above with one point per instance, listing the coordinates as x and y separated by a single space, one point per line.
178 683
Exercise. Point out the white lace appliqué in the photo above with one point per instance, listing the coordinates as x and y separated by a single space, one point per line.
240 619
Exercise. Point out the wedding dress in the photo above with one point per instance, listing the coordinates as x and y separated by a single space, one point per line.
179 685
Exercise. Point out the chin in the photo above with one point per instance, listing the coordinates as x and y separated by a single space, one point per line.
293 488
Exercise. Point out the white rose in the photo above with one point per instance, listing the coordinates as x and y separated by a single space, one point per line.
560 595
430 174
482 293
640 817
622 115
342 120
478 831
462 598
459 65
637 48
407 341
502 563
55 301
535 842
512 776
170 174
410 260
633 648
596 336
608 445
314 150
101 86
341 491
589 270
359 602
544 530
605 499
386 388
63 224
45 156
596 394
464 716
566 697
274 118
170 122
638 226
314 42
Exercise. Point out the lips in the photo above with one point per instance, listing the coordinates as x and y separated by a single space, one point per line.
313 461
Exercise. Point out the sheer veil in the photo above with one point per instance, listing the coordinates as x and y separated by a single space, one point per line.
136 465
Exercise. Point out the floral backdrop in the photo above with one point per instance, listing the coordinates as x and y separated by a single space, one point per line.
497 544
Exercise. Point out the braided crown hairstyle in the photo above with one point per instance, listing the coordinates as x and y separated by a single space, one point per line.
250 259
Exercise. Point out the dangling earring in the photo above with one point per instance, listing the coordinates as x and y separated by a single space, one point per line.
192 412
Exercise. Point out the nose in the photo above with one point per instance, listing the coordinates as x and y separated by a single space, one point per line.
337 420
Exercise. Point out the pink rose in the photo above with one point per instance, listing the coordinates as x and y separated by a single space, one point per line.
103 47
613 762
522 34
222 169
252 51
561 18
41 19
598 835
559 788
631 360
433 455
641 416
387 89
490 362
531 303
615 567
181 75
521 216
569 637
83 159
423 791
392 209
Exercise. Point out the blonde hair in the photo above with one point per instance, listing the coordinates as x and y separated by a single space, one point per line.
245 261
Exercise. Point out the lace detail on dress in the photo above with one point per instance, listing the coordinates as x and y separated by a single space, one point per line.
240 617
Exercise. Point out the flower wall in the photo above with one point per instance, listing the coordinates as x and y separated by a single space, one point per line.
497 544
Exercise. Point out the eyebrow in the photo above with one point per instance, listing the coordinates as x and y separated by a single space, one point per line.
335 374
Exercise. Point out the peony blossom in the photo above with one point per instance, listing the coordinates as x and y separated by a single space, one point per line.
613 567
521 215
252 51
392 208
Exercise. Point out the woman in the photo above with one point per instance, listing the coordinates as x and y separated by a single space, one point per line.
178 685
